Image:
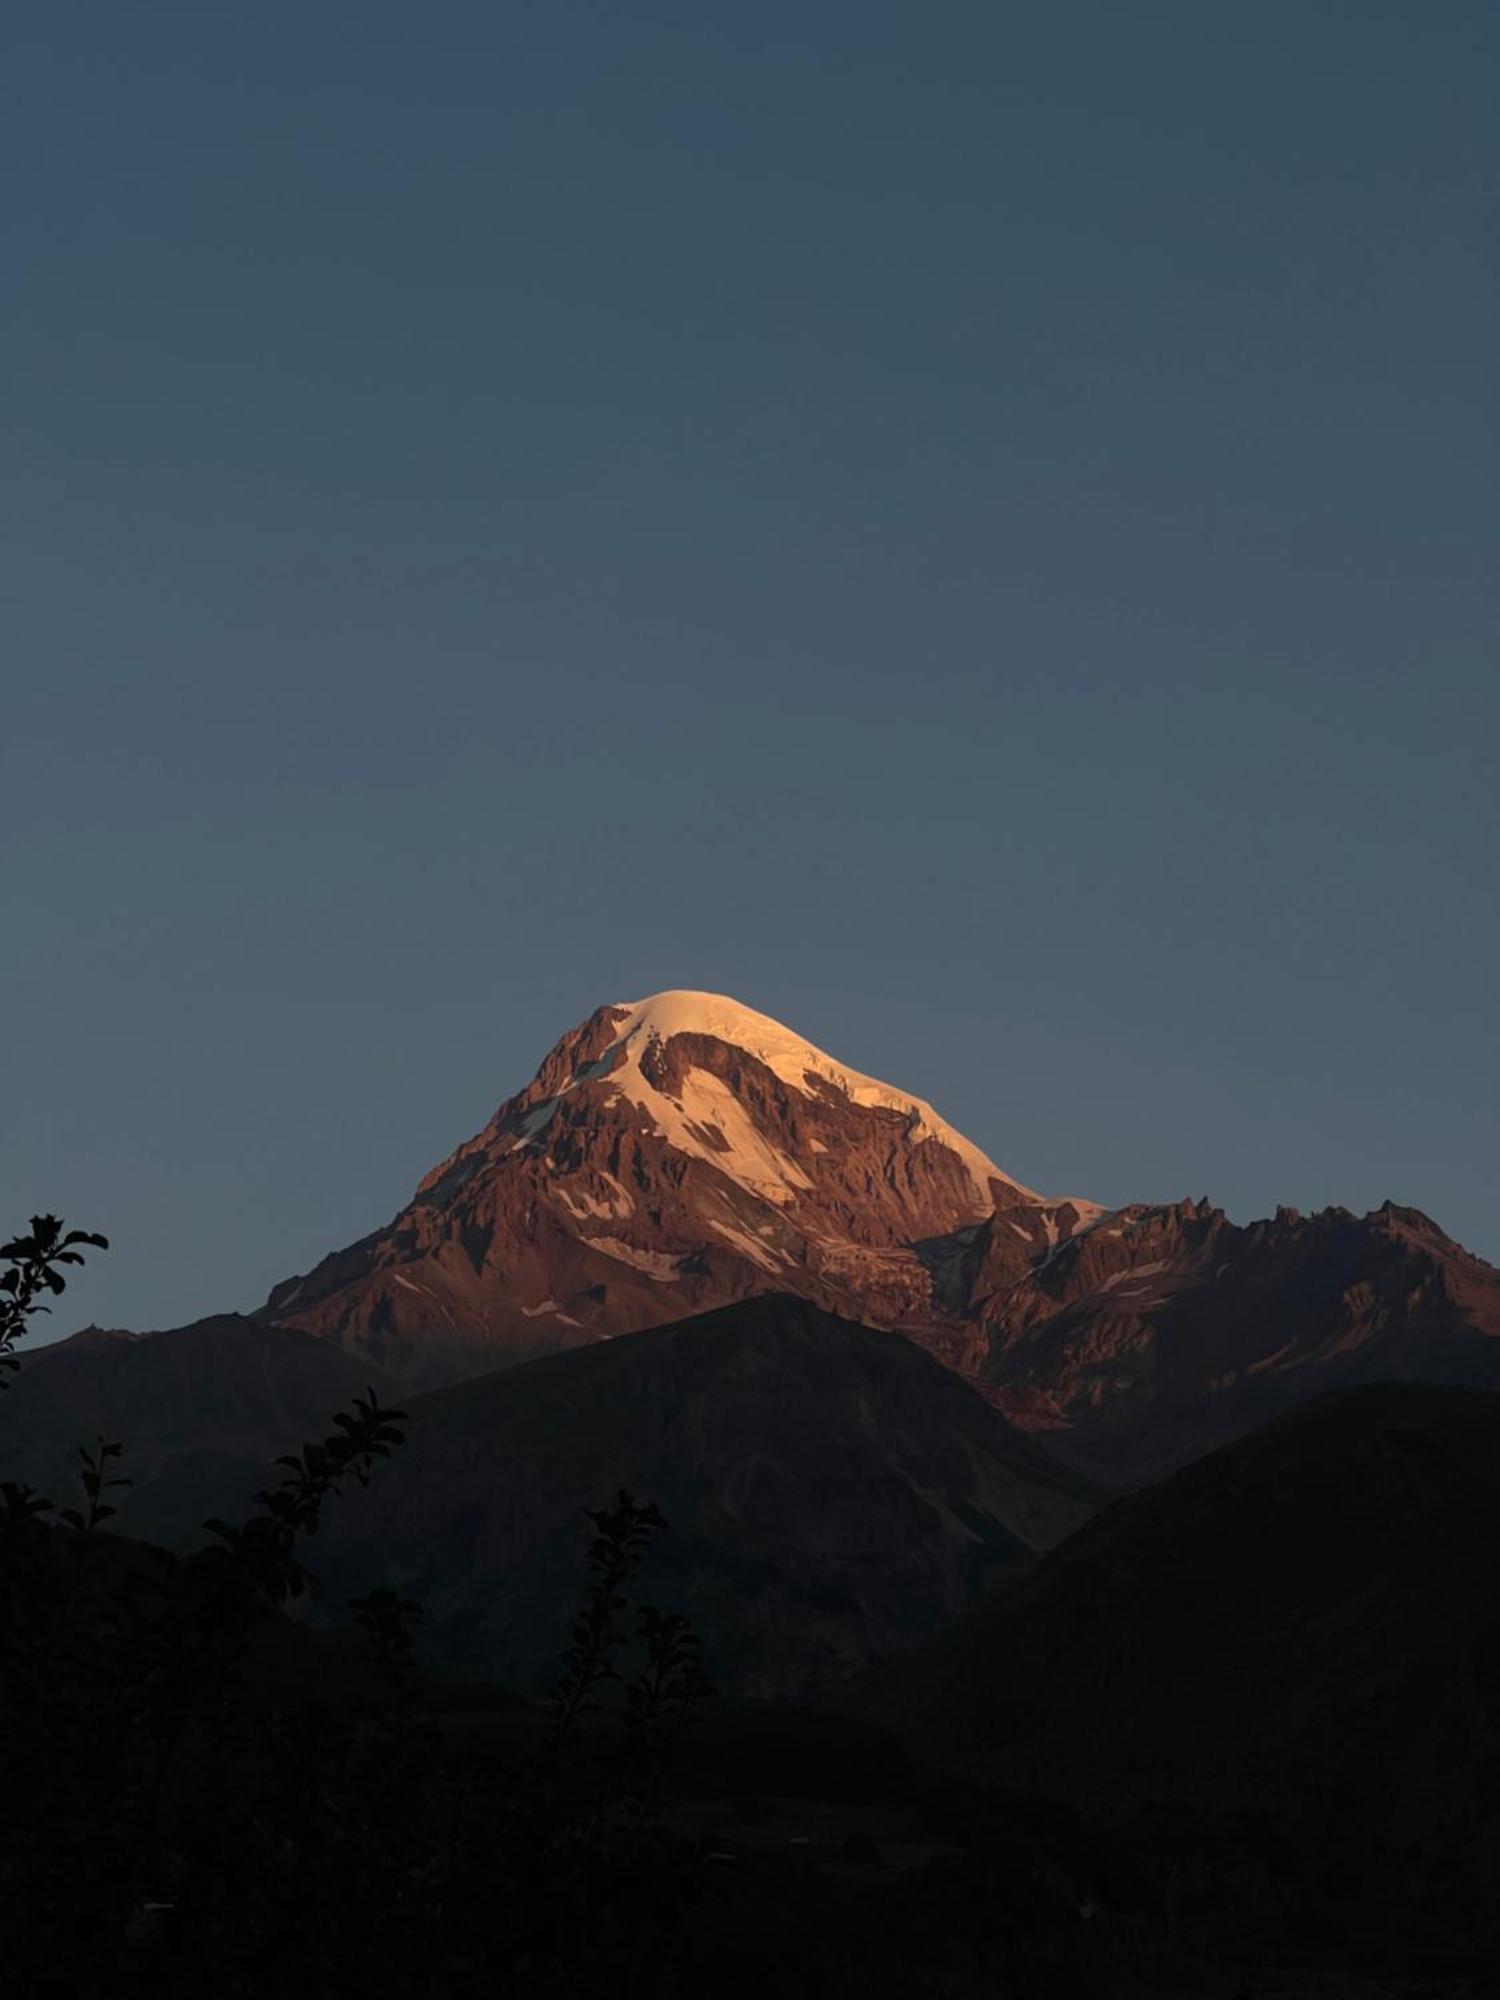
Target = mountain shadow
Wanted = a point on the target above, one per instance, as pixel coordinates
(834, 1495)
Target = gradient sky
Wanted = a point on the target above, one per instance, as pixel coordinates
(971, 528)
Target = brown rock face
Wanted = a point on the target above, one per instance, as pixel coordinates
(683, 1153)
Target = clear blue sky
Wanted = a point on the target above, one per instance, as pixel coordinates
(969, 527)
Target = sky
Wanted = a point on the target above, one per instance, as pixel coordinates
(969, 527)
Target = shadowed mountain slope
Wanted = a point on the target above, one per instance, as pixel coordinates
(832, 1494)
(202, 1411)
(1304, 1625)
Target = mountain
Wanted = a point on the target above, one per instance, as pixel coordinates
(1302, 1629)
(670, 1156)
(679, 1153)
(833, 1495)
(1161, 1331)
(203, 1411)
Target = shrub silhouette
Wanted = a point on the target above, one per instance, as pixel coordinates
(34, 1262)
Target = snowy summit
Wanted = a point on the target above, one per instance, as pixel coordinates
(682, 1011)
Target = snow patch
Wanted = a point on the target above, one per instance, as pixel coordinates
(1130, 1272)
(1089, 1212)
(655, 1263)
(703, 1101)
(423, 1291)
(579, 1201)
(747, 1245)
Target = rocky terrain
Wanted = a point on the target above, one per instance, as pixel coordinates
(1162, 1331)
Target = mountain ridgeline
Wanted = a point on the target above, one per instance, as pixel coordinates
(835, 1497)
(681, 1153)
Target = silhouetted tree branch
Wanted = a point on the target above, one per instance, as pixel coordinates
(33, 1269)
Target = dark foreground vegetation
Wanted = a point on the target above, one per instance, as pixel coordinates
(204, 1795)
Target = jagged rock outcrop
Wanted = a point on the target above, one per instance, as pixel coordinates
(1162, 1331)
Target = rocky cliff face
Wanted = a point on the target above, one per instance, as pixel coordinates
(1162, 1331)
(681, 1153)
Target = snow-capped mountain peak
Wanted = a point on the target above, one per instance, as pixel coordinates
(672, 1154)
